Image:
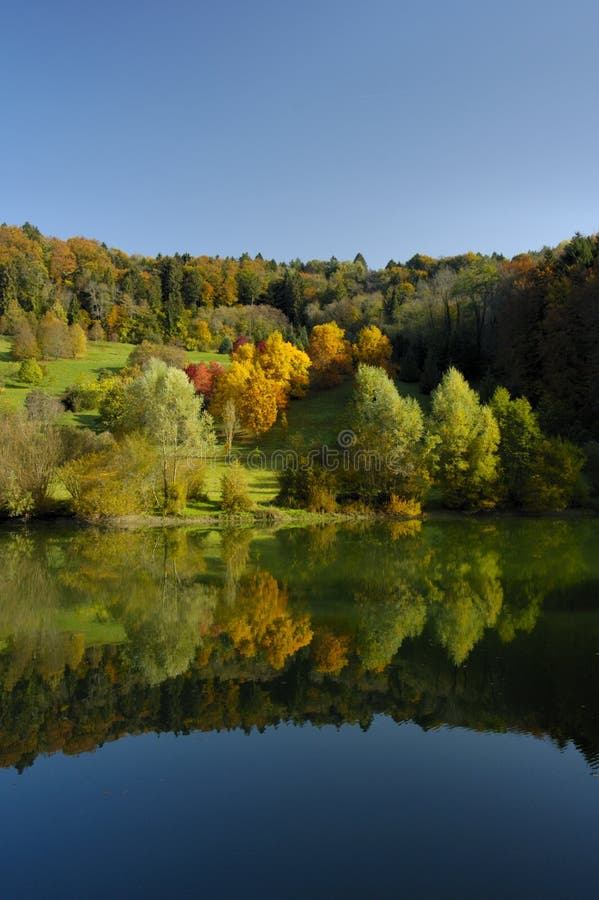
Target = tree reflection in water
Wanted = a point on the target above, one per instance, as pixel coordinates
(491, 625)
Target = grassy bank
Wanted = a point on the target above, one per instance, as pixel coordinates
(101, 356)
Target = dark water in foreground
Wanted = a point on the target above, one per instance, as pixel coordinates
(398, 711)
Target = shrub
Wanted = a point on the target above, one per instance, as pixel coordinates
(31, 453)
(235, 496)
(320, 498)
(176, 499)
(82, 396)
(30, 372)
(116, 481)
(43, 408)
(96, 332)
(402, 508)
(308, 486)
(196, 484)
(144, 352)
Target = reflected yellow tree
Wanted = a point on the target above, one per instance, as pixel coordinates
(330, 651)
(261, 621)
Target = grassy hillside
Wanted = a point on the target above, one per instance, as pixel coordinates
(316, 420)
(60, 373)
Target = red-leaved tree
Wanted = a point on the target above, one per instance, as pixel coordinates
(203, 376)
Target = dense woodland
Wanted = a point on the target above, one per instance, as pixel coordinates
(530, 323)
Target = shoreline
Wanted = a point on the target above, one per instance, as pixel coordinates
(281, 518)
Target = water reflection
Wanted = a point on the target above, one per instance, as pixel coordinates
(491, 626)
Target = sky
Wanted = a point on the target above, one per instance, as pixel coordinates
(302, 129)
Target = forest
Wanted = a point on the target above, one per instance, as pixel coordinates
(510, 343)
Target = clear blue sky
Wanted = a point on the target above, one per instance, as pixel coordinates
(302, 128)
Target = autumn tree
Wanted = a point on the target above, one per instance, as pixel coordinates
(330, 354)
(259, 403)
(53, 337)
(203, 377)
(284, 364)
(330, 651)
(113, 400)
(254, 396)
(78, 341)
(25, 345)
(373, 348)
(262, 623)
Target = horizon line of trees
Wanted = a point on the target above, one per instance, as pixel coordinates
(530, 323)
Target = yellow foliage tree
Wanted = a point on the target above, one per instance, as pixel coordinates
(255, 396)
(261, 621)
(258, 404)
(285, 364)
(204, 336)
(78, 341)
(331, 651)
(330, 354)
(373, 348)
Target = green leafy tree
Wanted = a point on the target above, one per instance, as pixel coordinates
(162, 404)
(30, 372)
(392, 453)
(553, 475)
(520, 436)
(468, 438)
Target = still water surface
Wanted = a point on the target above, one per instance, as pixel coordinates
(392, 711)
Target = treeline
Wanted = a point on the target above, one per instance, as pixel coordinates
(161, 438)
(530, 323)
(479, 456)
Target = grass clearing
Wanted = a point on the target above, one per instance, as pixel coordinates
(316, 420)
(60, 373)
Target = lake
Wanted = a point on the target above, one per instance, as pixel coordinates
(399, 710)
